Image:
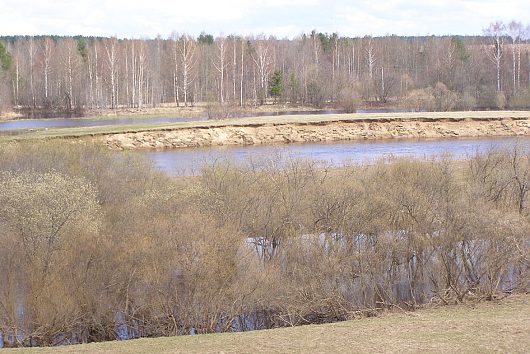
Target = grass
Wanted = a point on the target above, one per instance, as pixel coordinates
(485, 328)
(170, 110)
(258, 121)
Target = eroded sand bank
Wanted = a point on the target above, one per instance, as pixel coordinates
(265, 133)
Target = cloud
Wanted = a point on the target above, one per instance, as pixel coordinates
(126, 18)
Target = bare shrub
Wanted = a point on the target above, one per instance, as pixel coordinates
(420, 100)
(466, 101)
(45, 218)
(98, 246)
(520, 100)
(445, 99)
(217, 110)
(349, 99)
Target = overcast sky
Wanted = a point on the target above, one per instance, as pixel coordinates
(282, 18)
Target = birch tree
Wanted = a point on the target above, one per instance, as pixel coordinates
(141, 73)
(174, 40)
(262, 58)
(242, 72)
(94, 76)
(515, 30)
(16, 78)
(112, 66)
(495, 50)
(370, 58)
(220, 65)
(69, 60)
(186, 48)
(47, 48)
(234, 66)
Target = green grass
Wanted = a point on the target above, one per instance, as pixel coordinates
(486, 328)
(258, 121)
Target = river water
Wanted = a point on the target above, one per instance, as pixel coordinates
(188, 161)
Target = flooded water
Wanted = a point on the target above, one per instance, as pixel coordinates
(7, 126)
(188, 161)
(85, 122)
(385, 110)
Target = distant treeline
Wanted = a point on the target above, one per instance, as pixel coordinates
(98, 246)
(424, 72)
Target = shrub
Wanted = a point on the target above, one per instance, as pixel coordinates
(420, 100)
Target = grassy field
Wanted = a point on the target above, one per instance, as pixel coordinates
(485, 328)
(257, 121)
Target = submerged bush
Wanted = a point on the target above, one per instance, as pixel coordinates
(247, 247)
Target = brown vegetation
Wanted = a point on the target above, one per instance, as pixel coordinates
(497, 326)
(99, 246)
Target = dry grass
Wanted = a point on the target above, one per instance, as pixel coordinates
(486, 328)
(9, 116)
(197, 110)
(270, 120)
(170, 109)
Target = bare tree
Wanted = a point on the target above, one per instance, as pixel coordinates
(32, 50)
(370, 57)
(515, 30)
(47, 49)
(16, 78)
(220, 65)
(70, 62)
(242, 72)
(262, 58)
(315, 47)
(141, 73)
(94, 76)
(176, 54)
(187, 57)
(234, 66)
(495, 50)
(112, 66)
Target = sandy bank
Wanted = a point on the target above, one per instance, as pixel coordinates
(413, 126)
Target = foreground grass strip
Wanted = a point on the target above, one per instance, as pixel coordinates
(486, 328)
(260, 121)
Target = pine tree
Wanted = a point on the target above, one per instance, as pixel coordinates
(5, 58)
(276, 85)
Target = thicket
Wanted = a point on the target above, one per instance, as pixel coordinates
(98, 245)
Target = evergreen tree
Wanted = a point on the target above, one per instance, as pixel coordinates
(5, 58)
(276, 85)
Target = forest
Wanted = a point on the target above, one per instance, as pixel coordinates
(439, 73)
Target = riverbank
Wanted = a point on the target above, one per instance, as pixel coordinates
(486, 327)
(325, 128)
(293, 128)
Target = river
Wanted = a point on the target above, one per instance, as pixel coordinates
(188, 161)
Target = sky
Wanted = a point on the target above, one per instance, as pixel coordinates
(281, 18)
